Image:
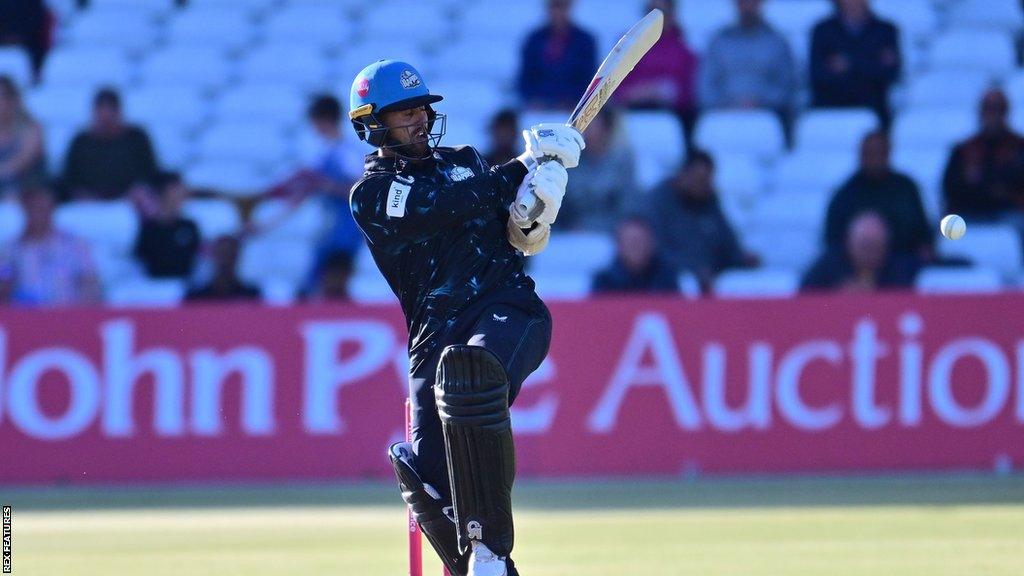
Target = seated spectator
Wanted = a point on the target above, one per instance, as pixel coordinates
(110, 157)
(666, 78)
(637, 266)
(689, 225)
(876, 186)
(47, 267)
(27, 23)
(557, 61)
(332, 284)
(984, 178)
(505, 139)
(864, 263)
(603, 187)
(21, 142)
(168, 242)
(749, 65)
(225, 285)
(855, 59)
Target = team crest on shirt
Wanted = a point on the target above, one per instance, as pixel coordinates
(409, 80)
(459, 173)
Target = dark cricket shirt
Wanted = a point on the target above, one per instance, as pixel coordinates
(436, 230)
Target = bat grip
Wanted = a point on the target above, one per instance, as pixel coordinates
(529, 207)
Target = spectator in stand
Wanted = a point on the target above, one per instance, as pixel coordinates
(864, 263)
(21, 142)
(27, 23)
(110, 157)
(876, 186)
(557, 61)
(855, 60)
(225, 285)
(46, 267)
(603, 187)
(749, 65)
(168, 242)
(666, 78)
(505, 139)
(984, 178)
(689, 225)
(332, 284)
(637, 266)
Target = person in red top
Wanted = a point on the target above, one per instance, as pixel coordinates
(665, 78)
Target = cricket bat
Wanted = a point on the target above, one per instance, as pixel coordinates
(620, 62)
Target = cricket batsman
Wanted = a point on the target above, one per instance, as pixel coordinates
(437, 223)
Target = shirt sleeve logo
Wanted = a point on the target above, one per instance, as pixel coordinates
(398, 194)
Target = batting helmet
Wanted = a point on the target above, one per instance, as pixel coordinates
(385, 86)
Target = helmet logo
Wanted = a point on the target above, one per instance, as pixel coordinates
(410, 80)
(364, 87)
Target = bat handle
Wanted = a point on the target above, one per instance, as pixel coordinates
(529, 207)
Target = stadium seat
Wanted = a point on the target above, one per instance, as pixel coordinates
(740, 181)
(943, 280)
(925, 166)
(358, 56)
(793, 210)
(146, 293)
(553, 285)
(12, 222)
(211, 26)
(931, 128)
(916, 19)
(151, 7)
(167, 105)
(289, 261)
(517, 20)
(61, 106)
(279, 219)
(112, 224)
(657, 142)
(948, 89)
(201, 66)
(688, 285)
(987, 51)
(244, 141)
(369, 287)
(607, 21)
(215, 217)
(702, 20)
(275, 104)
(764, 283)
(792, 248)
(813, 173)
(313, 25)
(1003, 15)
(58, 140)
(463, 61)
(829, 130)
(988, 245)
(298, 65)
(796, 21)
(233, 178)
(755, 132)
(16, 64)
(127, 29)
(574, 252)
(89, 67)
(431, 24)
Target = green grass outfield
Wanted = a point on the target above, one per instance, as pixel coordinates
(917, 526)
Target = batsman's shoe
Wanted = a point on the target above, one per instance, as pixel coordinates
(483, 562)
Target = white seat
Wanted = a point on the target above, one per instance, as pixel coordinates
(369, 287)
(127, 29)
(322, 25)
(12, 222)
(69, 106)
(214, 26)
(925, 166)
(796, 19)
(657, 142)
(263, 259)
(244, 141)
(554, 285)
(1004, 15)
(280, 219)
(462, 60)
(146, 293)
(688, 285)
(430, 23)
(215, 217)
(755, 132)
(182, 105)
(112, 224)
(233, 178)
(151, 7)
(57, 142)
(360, 55)
(988, 245)
(299, 65)
(702, 20)
(813, 173)
(765, 283)
(984, 50)
(16, 64)
(87, 67)
(740, 181)
(279, 104)
(834, 130)
(916, 19)
(948, 88)
(607, 21)
(200, 66)
(575, 252)
(528, 118)
(931, 128)
(788, 248)
(941, 280)
(516, 21)
(174, 148)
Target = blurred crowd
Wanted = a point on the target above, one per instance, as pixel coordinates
(876, 234)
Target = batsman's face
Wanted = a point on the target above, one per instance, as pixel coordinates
(408, 128)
